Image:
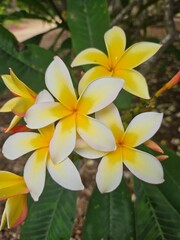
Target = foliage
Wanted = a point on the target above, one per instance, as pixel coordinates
(155, 211)
(53, 216)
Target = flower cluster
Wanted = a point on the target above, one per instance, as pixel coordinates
(59, 121)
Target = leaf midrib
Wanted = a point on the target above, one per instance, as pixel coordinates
(88, 24)
(154, 214)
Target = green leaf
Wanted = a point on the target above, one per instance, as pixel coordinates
(110, 215)
(28, 62)
(20, 15)
(52, 217)
(88, 20)
(123, 100)
(155, 217)
(171, 186)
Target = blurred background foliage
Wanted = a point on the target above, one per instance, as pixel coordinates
(135, 210)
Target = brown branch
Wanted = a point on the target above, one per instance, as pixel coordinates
(125, 11)
(167, 40)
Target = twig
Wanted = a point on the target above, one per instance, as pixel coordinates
(167, 40)
(125, 11)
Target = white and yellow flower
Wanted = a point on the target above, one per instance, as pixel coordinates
(118, 62)
(73, 113)
(24, 98)
(64, 173)
(14, 189)
(143, 165)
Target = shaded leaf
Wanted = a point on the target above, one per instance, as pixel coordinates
(21, 14)
(171, 187)
(88, 20)
(28, 62)
(155, 217)
(123, 100)
(110, 215)
(52, 217)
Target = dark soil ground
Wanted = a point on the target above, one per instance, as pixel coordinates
(168, 135)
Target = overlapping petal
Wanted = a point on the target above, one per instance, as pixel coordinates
(110, 172)
(9, 105)
(65, 174)
(95, 134)
(22, 86)
(15, 211)
(115, 40)
(21, 106)
(84, 150)
(134, 82)
(21, 143)
(11, 185)
(59, 83)
(14, 121)
(111, 118)
(137, 54)
(47, 132)
(99, 94)
(142, 128)
(15, 85)
(44, 96)
(35, 172)
(90, 56)
(120, 62)
(43, 114)
(143, 165)
(91, 75)
(64, 139)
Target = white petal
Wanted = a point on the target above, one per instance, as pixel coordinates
(35, 172)
(142, 128)
(63, 140)
(21, 143)
(65, 174)
(143, 165)
(109, 172)
(91, 75)
(44, 96)
(111, 118)
(95, 133)
(99, 94)
(59, 83)
(43, 114)
(84, 150)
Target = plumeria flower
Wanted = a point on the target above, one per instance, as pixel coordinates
(14, 189)
(143, 165)
(74, 113)
(118, 62)
(65, 173)
(24, 98)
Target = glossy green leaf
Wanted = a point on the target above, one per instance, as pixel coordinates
(171, 187)
(110, 215)
(157, 208)
(123, 100)
(29, 62)
(88, 20)
(52, 217)
(155, 217)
